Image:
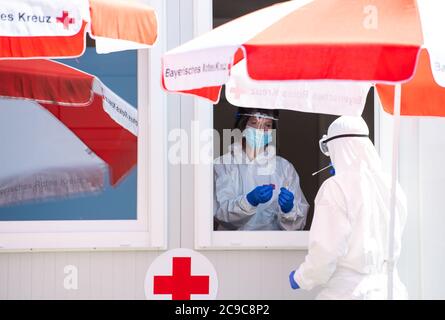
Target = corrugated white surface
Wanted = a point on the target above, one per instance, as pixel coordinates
(120, 275)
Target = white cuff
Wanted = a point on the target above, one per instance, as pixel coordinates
(290, 216)
(246, 206)
(299, 280)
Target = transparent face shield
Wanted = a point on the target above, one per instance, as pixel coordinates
(260, 123)
(259, 131)
(258, 115)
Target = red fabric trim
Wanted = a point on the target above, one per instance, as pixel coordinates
(421, 96)
(210, 93)
(345, 62)
(44, 80)
(44, 46)
(239, 55)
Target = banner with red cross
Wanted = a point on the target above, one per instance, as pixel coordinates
(43, 28)
(57, 29)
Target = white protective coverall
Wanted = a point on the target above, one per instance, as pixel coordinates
(348, 240)
(235, 175)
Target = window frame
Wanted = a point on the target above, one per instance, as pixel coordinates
(205, 236)
(149, 230)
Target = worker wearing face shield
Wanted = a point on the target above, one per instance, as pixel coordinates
(254, 188)
(348, 240)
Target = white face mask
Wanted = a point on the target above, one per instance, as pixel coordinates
(257, 138)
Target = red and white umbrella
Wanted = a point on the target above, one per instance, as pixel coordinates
(61, 130)
(57, 29)
(379, 41)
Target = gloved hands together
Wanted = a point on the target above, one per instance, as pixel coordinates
(260, 194)
(286, 200)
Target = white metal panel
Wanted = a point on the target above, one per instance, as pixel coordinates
(142, 261)
(101, 275)
(156, 116)
(82, 263)
(43, 275)
(173, 121)
(257, 274)
(19, 276)
(227, 267)
(4, 261)
(410, 259)
(421, 156)
(188, 206)
(432, 181)
(123, 274)
(251, 264)
(409, 264)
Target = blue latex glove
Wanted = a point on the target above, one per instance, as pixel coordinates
(286, 200)
(332, 170)
(294, 285)
(260, 194)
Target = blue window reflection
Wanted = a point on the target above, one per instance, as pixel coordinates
(118, 71)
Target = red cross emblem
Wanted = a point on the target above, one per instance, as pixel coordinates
(65, 19)
(181, 284)
(237, 91)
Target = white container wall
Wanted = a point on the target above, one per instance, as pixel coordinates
(421, 155)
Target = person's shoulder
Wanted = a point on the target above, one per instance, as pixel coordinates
(284, 161)
(226, 158)
(329, 187)
(329, 182)
(331, 195)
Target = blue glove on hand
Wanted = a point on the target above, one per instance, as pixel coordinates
(260, 194)
(286, 200)
(294, 285)
(332, 169)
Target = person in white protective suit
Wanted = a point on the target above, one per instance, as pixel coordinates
(348, 240)
(255, 189)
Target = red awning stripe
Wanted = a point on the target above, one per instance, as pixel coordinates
(43, 46)
(387, 63)
(45, 81)
(422, 96)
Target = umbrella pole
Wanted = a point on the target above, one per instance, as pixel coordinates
(395, 161)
